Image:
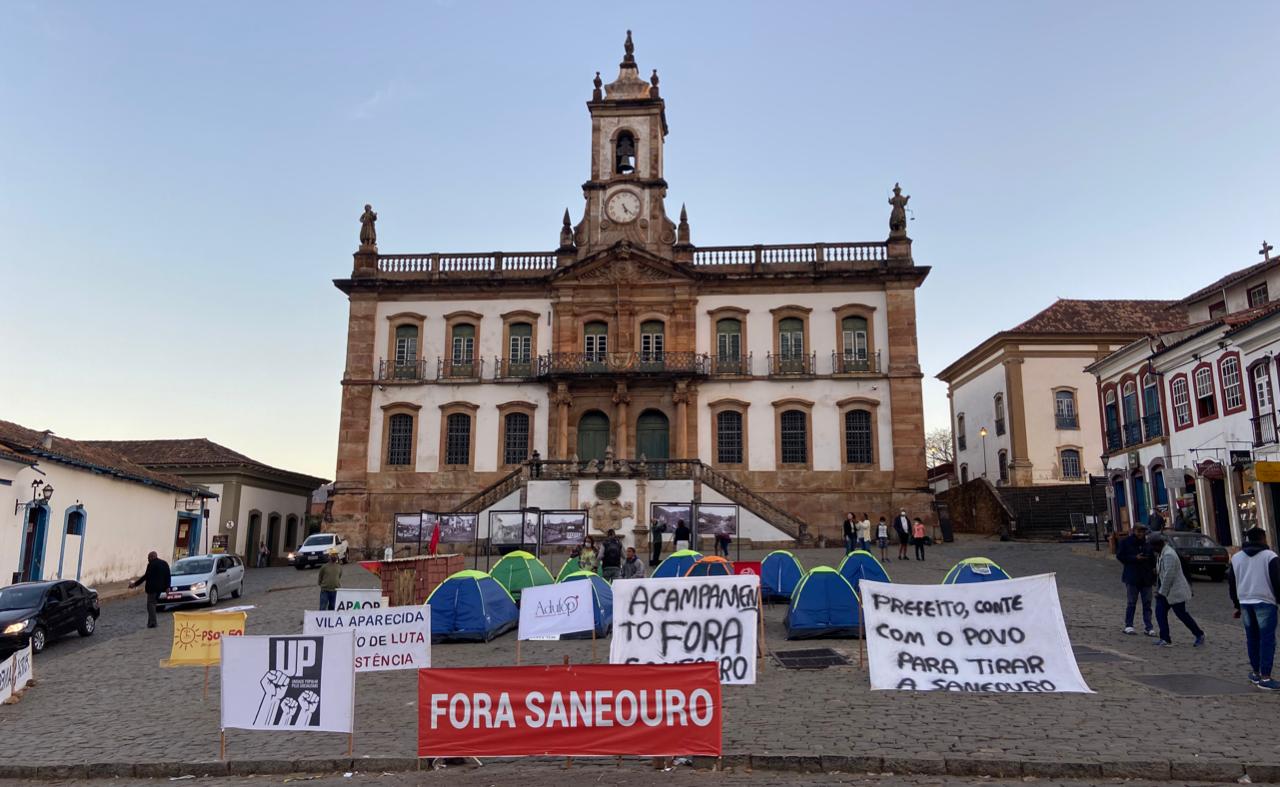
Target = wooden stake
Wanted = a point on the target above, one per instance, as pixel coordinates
(862, 639)
(517, 651)
(351, 743)
(222, 745)
(593, 642)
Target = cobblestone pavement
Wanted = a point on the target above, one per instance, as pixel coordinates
(105, 699)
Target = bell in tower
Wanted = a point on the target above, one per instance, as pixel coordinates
(625, 154)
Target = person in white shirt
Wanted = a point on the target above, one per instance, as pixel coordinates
(864, 532)
(1254, 578)
(882, 539)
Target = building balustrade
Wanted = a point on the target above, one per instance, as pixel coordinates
(1132, 434)
(1067, 420)
(855, 363)
(1114, 442)
(1152, 426)
(1264, 429)
(792, 364)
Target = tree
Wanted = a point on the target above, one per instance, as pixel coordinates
(938, 448)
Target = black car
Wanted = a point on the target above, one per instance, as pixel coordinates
(1199, 554)
(36, 612)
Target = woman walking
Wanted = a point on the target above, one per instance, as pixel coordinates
(1172, 592)
(918, 537)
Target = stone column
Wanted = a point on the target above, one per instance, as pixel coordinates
(1020, 466)
(351, 495)
(621, 398)
(905, 395)
(562, 399)
(681, 399)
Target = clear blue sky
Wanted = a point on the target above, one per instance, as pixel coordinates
(179, 182)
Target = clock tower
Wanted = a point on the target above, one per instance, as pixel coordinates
(626, 191)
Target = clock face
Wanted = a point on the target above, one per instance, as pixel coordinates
(623, 207)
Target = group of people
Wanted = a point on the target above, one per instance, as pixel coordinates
(609, 558)
(1151, 566)
(908, 532)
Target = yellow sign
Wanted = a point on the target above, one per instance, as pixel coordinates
(197, 637)
(1267, 472)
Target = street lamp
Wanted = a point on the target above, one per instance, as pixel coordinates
(983, 434)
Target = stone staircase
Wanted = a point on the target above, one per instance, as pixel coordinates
(1043, 513)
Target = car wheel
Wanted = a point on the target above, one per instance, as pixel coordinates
(87, 625)
(213, 596)
(236, 593)
(38, 639)
(344, 558)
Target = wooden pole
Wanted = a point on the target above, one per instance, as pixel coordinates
(351, 743)
(593, 642)
(517, 650)
(568, 761)
(222, 745)
(862, 639)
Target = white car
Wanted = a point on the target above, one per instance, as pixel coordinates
(315, 550)
(203, 579)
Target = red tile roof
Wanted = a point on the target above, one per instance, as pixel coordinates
(1106, 316)
(1231, 278)
(196, 452)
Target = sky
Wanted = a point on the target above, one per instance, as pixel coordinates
(180, 182)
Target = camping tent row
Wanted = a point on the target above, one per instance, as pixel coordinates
(472, 606)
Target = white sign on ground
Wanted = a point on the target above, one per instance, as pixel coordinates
(673, 621)
(1006, 636)
(386, 638)
(552, 610)
(296, 683)
(351, 598)
(15, 673)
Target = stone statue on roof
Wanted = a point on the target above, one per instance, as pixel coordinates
(898, 216)
(368, 235)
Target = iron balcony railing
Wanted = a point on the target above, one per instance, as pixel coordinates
(1152, 426)
(1067, 420)
(1264, 429)
(1114, 443)
(793, 365)
(1132, 434)
(739, 365)
(855, 363)
(515, 368)
(402, 371)
(460, 368)
(623, 363)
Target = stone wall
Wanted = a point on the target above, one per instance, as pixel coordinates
(975, 507)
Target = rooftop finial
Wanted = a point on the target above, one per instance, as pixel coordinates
(566, 217)
(684, 215)
(629, 59)
(653, 80)
(682, 229)
(1266, 251)
(566, 232)
(597, 94)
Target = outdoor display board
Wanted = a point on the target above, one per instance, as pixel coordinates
(457, 528)
(1004, 636)
(388, 638)
(671, 621)
(550, 610)
(564, 528)
(669, 514)
(15, 673)
(506, 528)
(409, 528)
(575, 711)
(716, 519)
(296, 683)
(197, 636)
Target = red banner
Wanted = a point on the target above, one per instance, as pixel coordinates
(748, 567)
(655, 710)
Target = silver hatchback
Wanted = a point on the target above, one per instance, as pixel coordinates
(204, 579)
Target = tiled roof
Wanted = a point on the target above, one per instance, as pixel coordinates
(14, 456)
(196, 452)
(30, 445)
(1106, 316)
(1231, 278)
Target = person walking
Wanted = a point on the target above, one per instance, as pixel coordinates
(882, 539)
(902, 526)
(849, 526)
(611, 557)
(588, 559)
(864, 532)
(264, 555)
(918, 537)
(1172, 592)
(330, 580)
(682, 535)
(155, 580)
(1134, 553)
(656, 529)
(1254, 577)
(723, 540)
(632, 568)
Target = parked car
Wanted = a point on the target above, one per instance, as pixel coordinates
(1200, 554)
(37, 612)
(203, 579)
(315, 550)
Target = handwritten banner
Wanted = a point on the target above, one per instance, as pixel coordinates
(197, 636)
(386, 638)
(688, 619)
(1002, 637)
(15, 673)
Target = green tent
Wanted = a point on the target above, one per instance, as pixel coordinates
(570, 567)
(519, 570)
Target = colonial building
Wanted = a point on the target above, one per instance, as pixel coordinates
(783, 377)
(256, 503)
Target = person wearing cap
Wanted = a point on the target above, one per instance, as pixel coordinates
(156, 581)
(1254, 578)
(330, 580)
(1134, 553)
(1172, 593)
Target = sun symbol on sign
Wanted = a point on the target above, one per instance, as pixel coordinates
(188, 635)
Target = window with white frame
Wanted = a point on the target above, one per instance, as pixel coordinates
(1070, 462)
(1262, 387)
(520, 350)
(1206, 404)
(651, 341)
(595, 341)
(1258, 295)
(1181, 402)
(1232, 389)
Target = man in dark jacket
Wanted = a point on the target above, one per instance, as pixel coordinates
(156, 581)
(611, 557)
(1138, 577)
(848, 529)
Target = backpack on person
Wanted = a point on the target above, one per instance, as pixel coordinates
(611, 553)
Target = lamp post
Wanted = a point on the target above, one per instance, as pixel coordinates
(983, 434)
(1106, 477)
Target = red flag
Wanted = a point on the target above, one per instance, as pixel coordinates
(435, 540)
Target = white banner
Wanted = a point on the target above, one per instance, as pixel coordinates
(673, 621)
(551, 610)
(387, 638)
(303, 684)
(15, 673)
(1006, 636)
(351, 598)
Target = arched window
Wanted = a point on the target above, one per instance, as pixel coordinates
(457, 447)
(651, 341)
(1158, 489)
(595, 341)
(961, 440)
(515, 441)
(853, 336)
(998, 407)
(1069, 460)
(1181, 401)
(291, 531)
(964, 474)
(406, 350)
(1232, 387)
(1002, 461)
(729, 437)
(1261, 379)
(1206, 403)
(1064, 410)
(400, 440)
(1152, 421)
(624, 154)
(1129, 407)
(858, 449)
(794, 433)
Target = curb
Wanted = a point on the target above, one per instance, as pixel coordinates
(1006, 768)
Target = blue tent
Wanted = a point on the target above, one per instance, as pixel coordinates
(780, 572)
(824, 604)
(859, 565)
(602, 596)
(471, 606)
(677, 564)
(974, 569)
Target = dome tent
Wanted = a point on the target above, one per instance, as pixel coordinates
(974, 569)
(518, 570)
(602, 603)
(471, 606)
(676, 564)
(859, 565)
(712, 566)
(570, 566)
(780, 572)
(824, 604)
